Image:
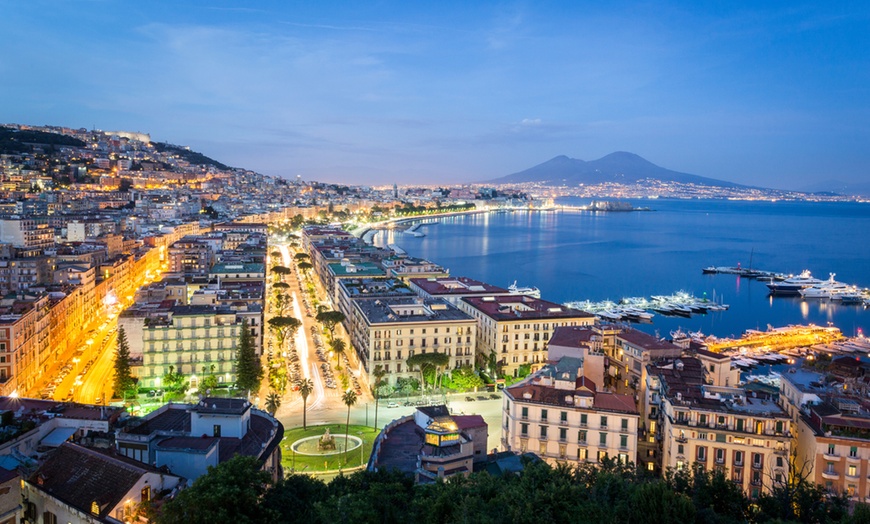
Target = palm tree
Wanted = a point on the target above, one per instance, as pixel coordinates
(338, 347)
(273, 402)
(349, 399)
(379, 373)
(305, 389)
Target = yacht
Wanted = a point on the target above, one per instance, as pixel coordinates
(793, 285)
(528, 291)
(828, 289)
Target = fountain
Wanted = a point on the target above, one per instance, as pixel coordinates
(326, 444)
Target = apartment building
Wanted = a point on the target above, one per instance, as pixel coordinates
(517, 328)
(387, 331)
(195, 340)
(559, 414)
(453, 289)
(350, 289)
(24, 342)
(741, 430)
(634, 350)
(29, 234)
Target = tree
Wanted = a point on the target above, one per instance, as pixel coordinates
(466, 378)
(330, 319)
(280, 272)
(174, 381)
(299, 257)
(249, 370)
(304, 266)
(273, 402)
(230, 492)
(275, 254)
(283, 326)
(209, 379)
(379, 373)
(123, 378)
(338, 346)
(424, 361)
(349, 399)
(305, 389)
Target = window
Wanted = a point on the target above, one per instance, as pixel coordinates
(720, 456)
(680, 449)
(582, 454)
(756, 460)
(216, 431)
(602, 439)
(738, 458)
(604, 422)
(583, 417)
(779, 462)
(779, 426)
(563, 416)
(702, 420)
(524, 430)
(49, 518)
(702, 453)
(624, 424)
(853, 451)
(581, 437)
(525, 412)
(543, 414)
(832, 449)
(146, 494)
(623, 441)
(853, 470)
(543, 432)
(563, 433)
(623, 458)
(602, 456)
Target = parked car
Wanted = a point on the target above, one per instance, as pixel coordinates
(393, 405)
(469, 399)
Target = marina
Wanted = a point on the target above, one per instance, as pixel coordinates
(638, 309)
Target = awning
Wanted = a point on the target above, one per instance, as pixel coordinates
(57, 437)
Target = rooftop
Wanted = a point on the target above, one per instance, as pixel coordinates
(408, 310)
(572, 336)
(645, 341)
(518, 307)
(456, 286)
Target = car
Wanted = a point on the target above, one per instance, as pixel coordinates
(481, 397)
(469, 399)
(392, 404)
(494, 396)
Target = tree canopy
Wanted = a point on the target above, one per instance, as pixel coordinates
(606, 493)
(330, 319)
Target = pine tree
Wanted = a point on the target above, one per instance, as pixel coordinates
(249, 371)
(123, 377)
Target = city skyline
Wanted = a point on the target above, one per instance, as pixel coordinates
(773, 96)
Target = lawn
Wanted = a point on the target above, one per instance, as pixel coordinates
(315, 464)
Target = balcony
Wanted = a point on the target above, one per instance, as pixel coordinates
(756, 465)
(831, 456)
(830, 474)
(681, 440)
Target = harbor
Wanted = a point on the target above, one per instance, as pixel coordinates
(641, 309)
(803, 285)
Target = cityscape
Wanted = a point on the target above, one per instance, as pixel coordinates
(164, 313)
(282, 262)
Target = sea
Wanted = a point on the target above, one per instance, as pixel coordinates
(582, 255)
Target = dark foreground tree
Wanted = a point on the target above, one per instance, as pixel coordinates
(231, 492)
(330, 319)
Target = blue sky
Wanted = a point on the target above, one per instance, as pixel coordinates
(764, 93)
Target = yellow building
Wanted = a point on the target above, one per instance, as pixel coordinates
(516, 328)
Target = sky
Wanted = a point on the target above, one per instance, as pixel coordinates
(775, 94)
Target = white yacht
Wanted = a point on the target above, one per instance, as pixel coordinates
(793, 285)
(528, 291)
(830, 289)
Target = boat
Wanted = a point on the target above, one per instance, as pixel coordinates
(794, 285)
(513, 289)
(827, 289)
(850, 298)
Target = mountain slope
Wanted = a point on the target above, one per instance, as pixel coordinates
(619, 167)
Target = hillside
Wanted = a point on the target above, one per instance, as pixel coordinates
(620, 167)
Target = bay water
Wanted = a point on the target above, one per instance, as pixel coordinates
(580, 255)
